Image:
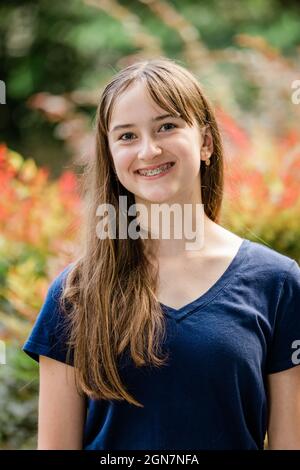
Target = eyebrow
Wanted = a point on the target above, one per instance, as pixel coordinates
(157, 118)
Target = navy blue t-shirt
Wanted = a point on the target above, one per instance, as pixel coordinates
(212, 392)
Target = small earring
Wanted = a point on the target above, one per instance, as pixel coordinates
(206, 154)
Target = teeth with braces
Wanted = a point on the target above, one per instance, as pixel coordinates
(156, 171)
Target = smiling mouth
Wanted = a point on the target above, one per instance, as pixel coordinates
(155, 171)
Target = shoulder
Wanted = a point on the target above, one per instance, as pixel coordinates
(56, 285)
(50, 313)
(268, 263)
(258, 259)
(49, 334)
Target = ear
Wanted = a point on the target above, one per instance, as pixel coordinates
(207, 146)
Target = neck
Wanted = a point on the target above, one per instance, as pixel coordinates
(182, 229)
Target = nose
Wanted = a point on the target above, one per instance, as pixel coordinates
(148, 149)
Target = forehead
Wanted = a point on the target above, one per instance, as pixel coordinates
(134, 104)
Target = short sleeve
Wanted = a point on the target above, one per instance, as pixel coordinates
(48, 336)
(284, 351)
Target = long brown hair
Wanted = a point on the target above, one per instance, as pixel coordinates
(112, 286)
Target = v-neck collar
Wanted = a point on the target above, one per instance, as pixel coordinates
(213, 291)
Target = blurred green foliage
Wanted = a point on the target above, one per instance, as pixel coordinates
(18, 400)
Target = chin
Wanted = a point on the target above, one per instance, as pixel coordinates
(156, 198)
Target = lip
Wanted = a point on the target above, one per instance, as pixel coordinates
(160, 175)
(152, 167)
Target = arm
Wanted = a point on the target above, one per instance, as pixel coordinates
(284, 410)
(61, 408)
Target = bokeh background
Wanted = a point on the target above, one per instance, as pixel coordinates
(55, 58)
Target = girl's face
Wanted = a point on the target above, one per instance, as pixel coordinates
(140, 136)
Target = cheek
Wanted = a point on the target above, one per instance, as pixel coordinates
(188, 152)
(123, 158)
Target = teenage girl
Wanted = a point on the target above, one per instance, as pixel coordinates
(141, 342)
